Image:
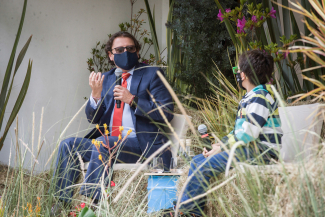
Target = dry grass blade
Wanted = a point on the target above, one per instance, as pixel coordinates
(139, 170)
(65, 129)
(210, 191)
(179, 104)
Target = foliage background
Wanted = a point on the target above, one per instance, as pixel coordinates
(202, 39)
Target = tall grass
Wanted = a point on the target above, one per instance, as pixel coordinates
(280, 190)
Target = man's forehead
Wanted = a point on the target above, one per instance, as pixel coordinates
(122, 41)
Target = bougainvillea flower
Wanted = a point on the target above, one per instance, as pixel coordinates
(241, 24)
(220, 15)
(254, 19)
(228, 10)
(82, 205)
(112, 184)
(272, 13)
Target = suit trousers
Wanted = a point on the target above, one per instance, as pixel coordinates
(67, 168)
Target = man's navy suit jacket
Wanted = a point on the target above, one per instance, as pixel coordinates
(146, 117)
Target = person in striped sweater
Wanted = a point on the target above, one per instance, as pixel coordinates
(257, 124)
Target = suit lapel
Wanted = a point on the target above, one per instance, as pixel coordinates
(136, 78)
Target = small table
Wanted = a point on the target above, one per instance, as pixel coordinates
(161, 190)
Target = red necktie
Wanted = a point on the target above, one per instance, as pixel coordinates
(118, 112)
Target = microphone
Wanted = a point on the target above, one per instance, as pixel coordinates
(118, 73)
(203, 130)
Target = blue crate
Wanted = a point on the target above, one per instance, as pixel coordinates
(162, 192)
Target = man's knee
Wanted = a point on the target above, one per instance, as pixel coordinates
(67, 144)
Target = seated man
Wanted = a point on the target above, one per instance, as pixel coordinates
(137, 112)
(257, 125)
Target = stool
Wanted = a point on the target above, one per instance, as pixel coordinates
(161, 190)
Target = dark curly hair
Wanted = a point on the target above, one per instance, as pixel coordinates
(109, 44)
(257, 65)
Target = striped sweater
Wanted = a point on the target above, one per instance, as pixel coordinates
(257, 119)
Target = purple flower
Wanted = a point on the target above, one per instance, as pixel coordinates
(272, 13)
(220, 15)
(254, 19)
(285, 54)
(240, 31)
(228, 10)
(241, 24)
(261, 18)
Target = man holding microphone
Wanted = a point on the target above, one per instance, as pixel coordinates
(128, 105)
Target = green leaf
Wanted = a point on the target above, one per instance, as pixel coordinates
(19, 102)
(18, 62)
(86, 212)
(153, 31)
(295, 30)
(169, 37)
(286, 19)
(11, 61)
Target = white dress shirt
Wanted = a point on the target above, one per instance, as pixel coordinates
(127, 121)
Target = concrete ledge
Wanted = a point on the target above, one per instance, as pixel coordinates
(121, 166)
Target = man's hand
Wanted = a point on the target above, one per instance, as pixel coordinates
(96, 84)
(123, 94)
(216, 149)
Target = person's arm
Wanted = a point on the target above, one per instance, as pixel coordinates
(255, 116)
(147, 108)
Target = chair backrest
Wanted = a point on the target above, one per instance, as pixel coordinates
(180, 127)
(301, 129)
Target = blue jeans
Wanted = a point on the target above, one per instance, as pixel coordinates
(67, 169)
(212, 167)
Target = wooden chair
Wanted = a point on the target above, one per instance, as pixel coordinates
(180, 127)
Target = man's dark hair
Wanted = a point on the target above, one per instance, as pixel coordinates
(257, 65)
(109, 44)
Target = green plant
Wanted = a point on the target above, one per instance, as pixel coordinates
(194, 41)
(5, 92)
(99, 61)
(270, 38)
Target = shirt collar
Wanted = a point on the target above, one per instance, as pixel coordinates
(131, 71)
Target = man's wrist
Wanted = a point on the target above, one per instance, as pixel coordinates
(96, 95)
(134, 102)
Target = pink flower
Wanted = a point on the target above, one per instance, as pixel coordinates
(272, 13)
(240, 31)
(261, 18)
(254, 19)
(241, 24)
(73, 214)
(285, 54)
(112, 184)
(82, 205)
(228, 10)
(220, 15)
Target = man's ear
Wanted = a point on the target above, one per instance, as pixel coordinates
(110, 55)
(242, 75)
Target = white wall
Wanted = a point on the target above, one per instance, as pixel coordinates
(64, 31)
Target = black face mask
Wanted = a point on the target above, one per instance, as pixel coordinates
(126, 60)
(240, 82)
